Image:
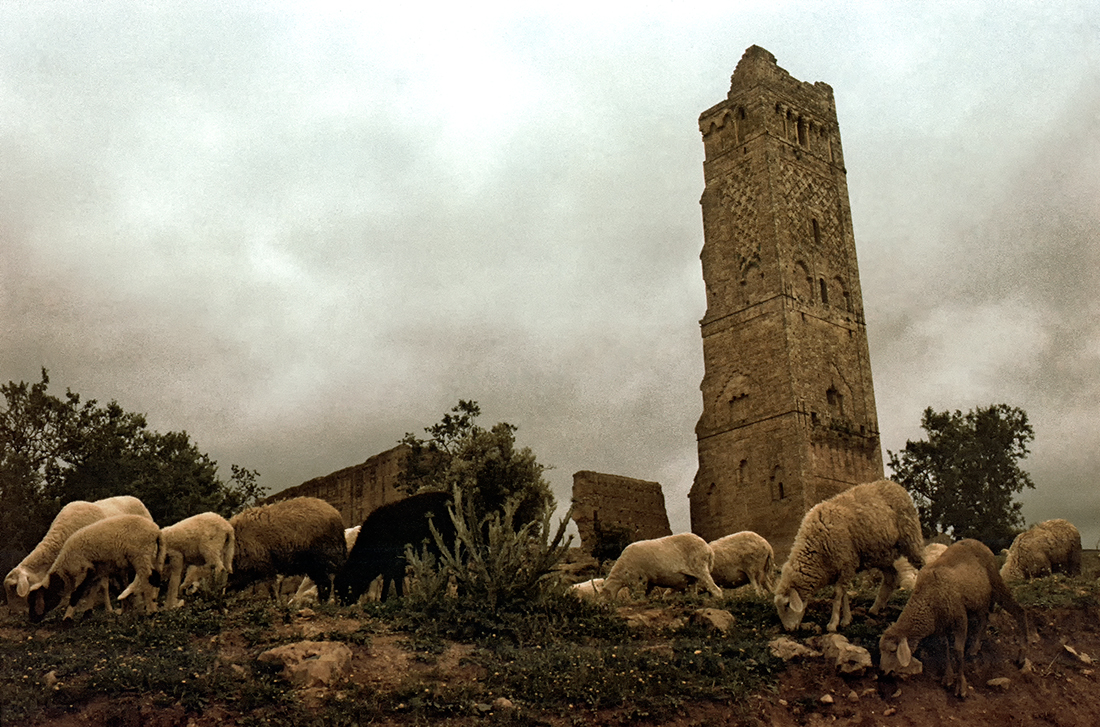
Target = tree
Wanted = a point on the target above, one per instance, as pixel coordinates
(505, 552)
(483, 463)
(54, 451)
(964, 476)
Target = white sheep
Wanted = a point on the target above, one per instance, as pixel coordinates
(952, 598)
(299, 536)
(205, 540)
(71, 518)
(674, 561)
(866, 526)
(740, 558)
(907, 574)
(587, 589)
(114, 546)
(1053, 546)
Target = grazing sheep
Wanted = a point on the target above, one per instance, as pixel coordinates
(206, 539)
(380, 547)
(907, 574)
(114, 546)
(952, 598)
(1053, 546)
(299, 536)
(307, 589)
(587, 589)
(866, 526)
(674, 561)
(72, 517)
(741, 558)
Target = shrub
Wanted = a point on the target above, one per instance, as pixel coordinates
(491, 561)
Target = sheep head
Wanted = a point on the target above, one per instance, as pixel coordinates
(791, 609)
(45, 596)
(896, 656)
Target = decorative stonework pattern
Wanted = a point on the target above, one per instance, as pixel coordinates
(788, 404)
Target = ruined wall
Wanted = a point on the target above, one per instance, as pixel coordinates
(358, 490)
(616, 500)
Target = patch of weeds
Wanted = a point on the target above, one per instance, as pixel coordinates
(657, 681)
(1057, 591)
(554, 616)
(108, 655)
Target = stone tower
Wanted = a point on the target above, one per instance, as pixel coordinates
(788, 406)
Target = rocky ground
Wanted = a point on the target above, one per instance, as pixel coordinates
(1060, 688)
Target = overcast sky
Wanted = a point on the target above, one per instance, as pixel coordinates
(300, 231)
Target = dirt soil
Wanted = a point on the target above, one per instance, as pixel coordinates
(1061, 687)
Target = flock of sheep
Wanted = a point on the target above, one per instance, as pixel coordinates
(94, 547)
(873, 526)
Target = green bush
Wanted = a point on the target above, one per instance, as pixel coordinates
(492, 561)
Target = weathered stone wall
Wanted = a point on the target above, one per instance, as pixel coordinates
(788, 402)
(616, 500)
(358, 490)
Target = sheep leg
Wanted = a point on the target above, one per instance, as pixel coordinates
(976, 626)
(214, 562)
(710, 585)
(889, 585)
(175, 570)
(842, 612)
(957, 653)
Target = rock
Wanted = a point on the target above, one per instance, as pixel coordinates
(502, 704)
(847, 657)
(786, 648)
(714, 619)
(889, 711)
(1080, 656)
(827, 699)
(50, 680)
(999, 683)
(852, 696)
(311, 663)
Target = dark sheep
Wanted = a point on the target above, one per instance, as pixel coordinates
(380, 549)
(299, 536)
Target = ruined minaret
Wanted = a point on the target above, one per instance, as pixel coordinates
(788, 405)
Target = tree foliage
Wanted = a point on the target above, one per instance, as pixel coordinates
(55, 450)
(484, 464)
(965, 475)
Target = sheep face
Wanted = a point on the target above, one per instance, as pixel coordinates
(895, 656)
(45, 597)
(791, 609)
(17, 585)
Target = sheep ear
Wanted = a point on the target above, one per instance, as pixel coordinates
(796, 602)
(904, 655)
(24, 585)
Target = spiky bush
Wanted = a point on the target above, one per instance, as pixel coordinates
(492, 561)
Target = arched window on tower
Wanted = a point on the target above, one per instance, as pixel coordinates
(803, 139)
(803, 282)
(817, 232)
(778, 488)
(824, 291)
(846, 300)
